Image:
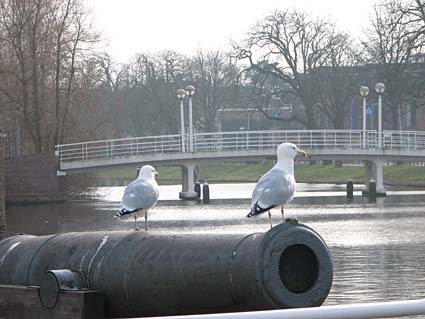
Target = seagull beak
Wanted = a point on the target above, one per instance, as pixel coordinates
(156, 174)
(302, 153)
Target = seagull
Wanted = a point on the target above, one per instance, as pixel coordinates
(140, 195)
(277, 186)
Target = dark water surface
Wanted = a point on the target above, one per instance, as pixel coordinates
(378, 248)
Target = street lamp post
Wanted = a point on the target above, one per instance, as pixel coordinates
(364, 91)
(380, 88)
(181, 94)
(190, 91)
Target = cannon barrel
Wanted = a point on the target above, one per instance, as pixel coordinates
(151, 273)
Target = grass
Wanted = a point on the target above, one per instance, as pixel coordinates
(328, 173)
(237, 172)
(130, 173)
(403, 174)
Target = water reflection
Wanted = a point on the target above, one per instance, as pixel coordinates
(229, 191)
(377, 273)
(378, 248)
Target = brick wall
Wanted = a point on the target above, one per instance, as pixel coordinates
(32, 175)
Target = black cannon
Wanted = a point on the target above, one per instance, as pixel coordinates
(150, 274)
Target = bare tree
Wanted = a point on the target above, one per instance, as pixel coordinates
(263, 93)
(42, 42)
(97, 91)
(391, 46)
(151, 88)
(21, 30)
(336, 82)
(73, 42)
(214, 75)
(414, 11)
(289, 45)
(413, 14)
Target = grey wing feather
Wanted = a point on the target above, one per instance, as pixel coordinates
(273, 188)
(140, 194)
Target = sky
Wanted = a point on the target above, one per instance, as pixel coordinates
(149, 26)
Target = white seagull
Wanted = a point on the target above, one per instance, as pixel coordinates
(140, 195)
(277, 186)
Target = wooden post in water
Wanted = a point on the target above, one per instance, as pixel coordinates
(350, 189)
(2, 195)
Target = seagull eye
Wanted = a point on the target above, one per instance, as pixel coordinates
(293, 147)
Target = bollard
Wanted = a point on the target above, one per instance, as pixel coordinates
(157, 274)
(350, 189)
(372, 190)
(197, 189)
(205, 193)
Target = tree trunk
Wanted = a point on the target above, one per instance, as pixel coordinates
(310, 118)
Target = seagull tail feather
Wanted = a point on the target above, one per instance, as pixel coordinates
(257, 209)
(123, 212)
(250, 214)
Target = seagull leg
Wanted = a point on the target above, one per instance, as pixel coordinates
(281, 210)
(146, 220)
(270, 219)
(135, 221)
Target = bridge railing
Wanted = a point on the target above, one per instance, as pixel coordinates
(409, 140)
(123, 147)
(240, 140)
(257, 140)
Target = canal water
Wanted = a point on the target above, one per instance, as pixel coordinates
(378, 248)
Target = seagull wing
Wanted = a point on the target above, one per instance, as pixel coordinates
(140, 194)
(273, 189)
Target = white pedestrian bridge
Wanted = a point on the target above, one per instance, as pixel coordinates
(187, 151)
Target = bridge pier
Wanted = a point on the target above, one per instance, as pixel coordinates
(379, 177)
(188, 181)
(375, 169)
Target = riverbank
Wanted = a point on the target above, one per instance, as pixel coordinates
(397, 175)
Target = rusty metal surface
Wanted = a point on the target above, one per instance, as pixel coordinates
(144, 273)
